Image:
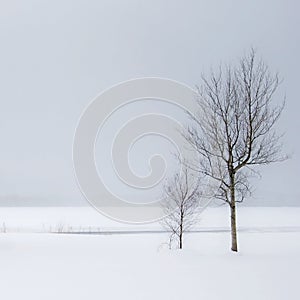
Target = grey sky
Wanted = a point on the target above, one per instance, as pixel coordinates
(56, 56)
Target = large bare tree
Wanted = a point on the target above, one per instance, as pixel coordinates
(181, 205)
(234, 130)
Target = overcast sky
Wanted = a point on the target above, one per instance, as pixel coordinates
(56, 56)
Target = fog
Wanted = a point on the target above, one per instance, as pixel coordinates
(56, 56)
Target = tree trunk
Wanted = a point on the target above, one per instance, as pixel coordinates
(233, 228)
(180, 237)
(233, 214)
(180, 242)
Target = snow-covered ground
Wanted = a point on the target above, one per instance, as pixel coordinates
(85, 219)
(139, 266)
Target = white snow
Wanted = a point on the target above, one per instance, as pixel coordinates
(45, 219)
(37, 266)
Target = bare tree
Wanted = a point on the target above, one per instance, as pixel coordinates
(181, 205)
(234, 129)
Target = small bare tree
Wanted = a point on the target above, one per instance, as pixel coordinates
(181, 205)
(234, 130)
